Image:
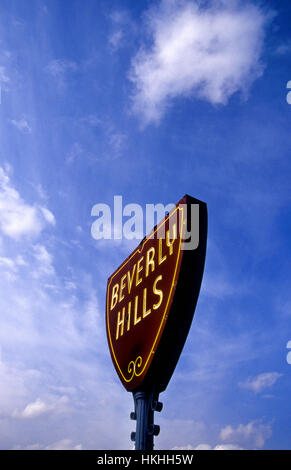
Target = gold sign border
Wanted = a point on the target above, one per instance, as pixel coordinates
(139, 250)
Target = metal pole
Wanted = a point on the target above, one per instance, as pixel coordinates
(145, 403)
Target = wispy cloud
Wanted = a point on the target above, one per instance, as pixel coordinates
(117, 142)
(122, 27)
(206, 53)
(4, 78)
(63, 444)
(40, 407)
(58, 67)
(75, 151)
(60, 70)
(283, 48)
(52, 332)
(251, 435)
(22, 125)
(209, 447)
(227, 447)
(19, 218)
(7, 263)
(44, 261)
(115, 139)
(115, 39)
(48, 215)
(218, 288)
(261, 382)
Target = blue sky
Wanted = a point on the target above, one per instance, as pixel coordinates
(149, 100)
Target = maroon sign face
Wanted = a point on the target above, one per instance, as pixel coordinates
(141, 295)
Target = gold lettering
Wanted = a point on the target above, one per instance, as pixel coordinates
(161, 258)
(138, 270)
(114, 296)
(122, 286)
(170, 243)
(150, 260)
(136, 318)
(145, 312)
(157, 292)
(120, 323)
(128, 316)
(130, 280)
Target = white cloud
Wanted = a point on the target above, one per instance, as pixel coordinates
(40, 191)
(284, 48)
(199, 447)
(261, 381)
(227, 447)
(76, 151)
(60, 70)
(123, 27)
(7, 263)
(17, 218)
(22, 125)
(60, 334)
(217, 287)
(115, 139)
(92, 120)
(40, 407)
(63, 444)
(3, 75)
(189, 447)
(115, 39)
(252, 435)
(207, 53)
(70, 285)
(58, 67)
(208, 447)
(48, 215)
(20, 261)
(33, 410)
(44, 261)
(175, 432)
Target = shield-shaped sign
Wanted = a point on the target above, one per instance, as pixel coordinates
(152, 296)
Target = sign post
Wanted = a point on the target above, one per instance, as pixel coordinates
(150, 303)
(145, 404)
